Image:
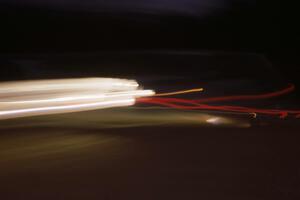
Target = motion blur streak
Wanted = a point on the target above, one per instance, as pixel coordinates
(179, 92)
(30, 98)
(64, 109)
(188, 104)
(101, 84)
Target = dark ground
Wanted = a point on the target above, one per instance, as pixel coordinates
(150, 163)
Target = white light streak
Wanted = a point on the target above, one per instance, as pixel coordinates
(101, 84)
(29, 98)
(64, 109)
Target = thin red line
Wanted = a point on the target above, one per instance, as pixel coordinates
(239, 109)
(284, 91)
(195, 104)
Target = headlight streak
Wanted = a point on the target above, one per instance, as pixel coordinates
(82, 97)
(66, 85)
(42, 97)
(31, 98)
(65, 109)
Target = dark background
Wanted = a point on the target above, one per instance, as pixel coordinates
(262, 27)
(91, 26)
(56, 26)
(239, 25)
(39, 160)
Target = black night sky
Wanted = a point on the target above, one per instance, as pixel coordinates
(33, 26)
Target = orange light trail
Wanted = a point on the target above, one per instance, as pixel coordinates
(179, 92)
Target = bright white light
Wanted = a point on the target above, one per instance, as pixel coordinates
(101, 84)
(64, 109)
(214, 120)
(84, 96)
(28, 98)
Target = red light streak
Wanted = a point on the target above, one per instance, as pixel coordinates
(198, 104)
